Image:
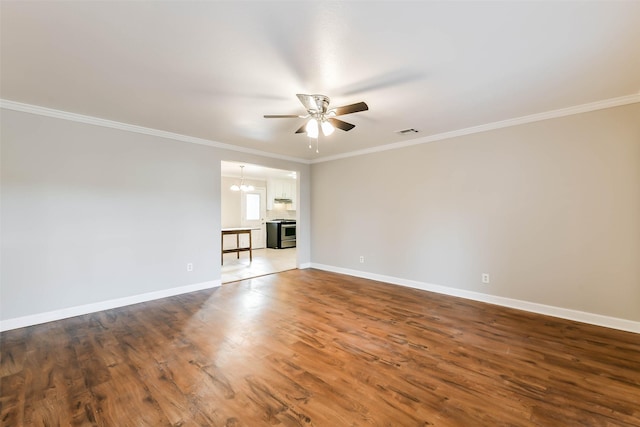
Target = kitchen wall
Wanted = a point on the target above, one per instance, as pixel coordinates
(231, 209)
(551, 210)
(92, 216)
(231, 200)
(280, 214)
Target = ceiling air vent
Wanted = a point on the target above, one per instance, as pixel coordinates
(407, 131)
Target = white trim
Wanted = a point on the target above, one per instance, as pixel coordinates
(577, 109)
(64, 115)
(548, 310)
(304, 266)
(50, 316)
(584, 108)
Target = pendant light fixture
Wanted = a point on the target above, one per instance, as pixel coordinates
(242, 186)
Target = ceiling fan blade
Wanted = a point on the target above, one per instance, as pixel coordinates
(352, 108)
(302, 129)
(340, 124)
(281, 116)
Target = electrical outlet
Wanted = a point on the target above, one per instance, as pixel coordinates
(190, 267)
(361, 259)
(485, 277)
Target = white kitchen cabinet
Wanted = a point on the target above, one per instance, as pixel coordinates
(282, 189)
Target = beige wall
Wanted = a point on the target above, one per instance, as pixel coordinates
(550, 209)
(92, 214)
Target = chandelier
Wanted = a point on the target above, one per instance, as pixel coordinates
(242, 186)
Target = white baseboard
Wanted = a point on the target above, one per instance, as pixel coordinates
(563, 313)
(50, 316)
(305, 265)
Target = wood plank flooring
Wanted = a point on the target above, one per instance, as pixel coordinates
(311, 348)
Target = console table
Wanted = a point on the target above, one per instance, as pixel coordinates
(237, 231)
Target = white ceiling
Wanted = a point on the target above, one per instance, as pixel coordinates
(212, 69)
(232, 169)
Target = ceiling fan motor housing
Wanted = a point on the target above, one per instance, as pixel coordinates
(322, 103)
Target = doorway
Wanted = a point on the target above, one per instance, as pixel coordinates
(259, 202)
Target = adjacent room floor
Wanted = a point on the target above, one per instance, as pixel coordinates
(265, 261)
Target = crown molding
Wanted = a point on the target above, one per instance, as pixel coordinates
(562, 112)
(64, 115)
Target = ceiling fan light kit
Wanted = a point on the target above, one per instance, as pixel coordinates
(327, 128)
(312, 128)
(321, 117)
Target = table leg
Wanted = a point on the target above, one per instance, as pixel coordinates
(221, 249)
(238, 245)
(250, 247)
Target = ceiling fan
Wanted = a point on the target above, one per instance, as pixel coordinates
(321, 116)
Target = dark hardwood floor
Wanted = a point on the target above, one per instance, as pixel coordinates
(310, 348)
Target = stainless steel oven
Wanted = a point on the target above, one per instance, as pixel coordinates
(288, 235)
(281, 233)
